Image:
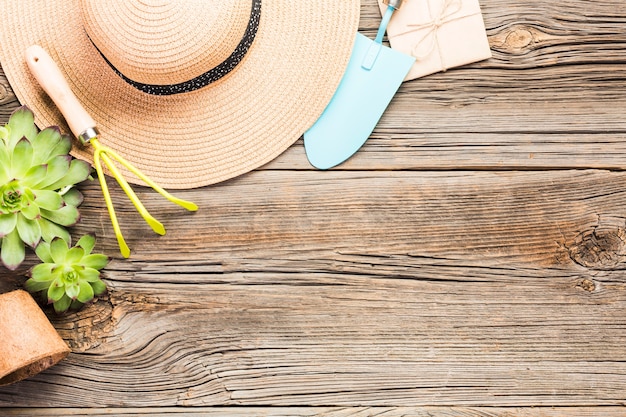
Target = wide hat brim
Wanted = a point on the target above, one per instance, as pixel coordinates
(202, 137)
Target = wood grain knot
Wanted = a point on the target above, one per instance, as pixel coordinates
(519, 38)
(599, 248)
(587, 285)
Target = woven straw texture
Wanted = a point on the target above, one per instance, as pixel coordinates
(198, 138)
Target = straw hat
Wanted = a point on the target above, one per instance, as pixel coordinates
(192, 92)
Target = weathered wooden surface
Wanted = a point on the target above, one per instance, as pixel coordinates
(468, 261)
(326, 412)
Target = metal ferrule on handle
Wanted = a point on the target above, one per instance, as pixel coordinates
(393, 3)
(87, 135)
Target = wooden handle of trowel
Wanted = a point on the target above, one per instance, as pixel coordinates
(49, 76)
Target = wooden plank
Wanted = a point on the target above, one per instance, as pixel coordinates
(424, 151)
(517, 216)
(381, 288)
(325, 412)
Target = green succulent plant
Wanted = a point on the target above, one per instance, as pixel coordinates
(69, 277)
(37, 175)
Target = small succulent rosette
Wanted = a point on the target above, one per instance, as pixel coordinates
(68, 277)
(37, 177)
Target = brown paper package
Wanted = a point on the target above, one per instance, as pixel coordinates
(439, 34)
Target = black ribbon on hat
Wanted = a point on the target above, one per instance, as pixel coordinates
(208, 77)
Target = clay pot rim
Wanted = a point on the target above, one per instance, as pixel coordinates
(33, 367)
(26, 323)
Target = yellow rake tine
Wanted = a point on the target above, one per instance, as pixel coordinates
(183, 203)
(124, 249)
(152, 222)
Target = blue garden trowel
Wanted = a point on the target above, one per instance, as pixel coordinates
(374, 74)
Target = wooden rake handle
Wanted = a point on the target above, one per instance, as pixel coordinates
(51, 79)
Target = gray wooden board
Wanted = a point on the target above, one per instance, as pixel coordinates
(469, 260)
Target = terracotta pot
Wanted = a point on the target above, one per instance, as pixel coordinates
(28, 342)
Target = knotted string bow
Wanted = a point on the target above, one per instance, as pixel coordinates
(449, 12)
